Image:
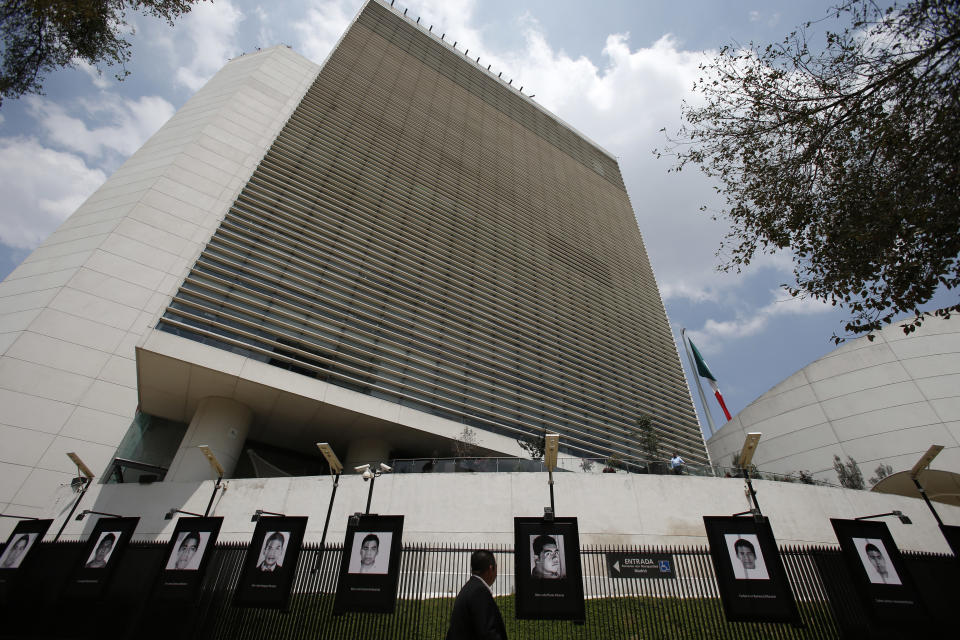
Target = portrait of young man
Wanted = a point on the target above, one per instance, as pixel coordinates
(14, 553)
(547, 557)
(272, 552)
(371, 552)
(876, 561)
(270, 563)
(103, 550)
(547, 569)
(746, 557)
(21, 544)
(188, 551)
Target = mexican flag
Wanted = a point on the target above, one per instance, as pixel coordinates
(704, 372)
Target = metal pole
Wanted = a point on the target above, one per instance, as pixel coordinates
(212, 496)
(370, 493)
(923, 493)
(326, 524)
(552, 507)
(753, 494)
(73, 508)
(696, 378)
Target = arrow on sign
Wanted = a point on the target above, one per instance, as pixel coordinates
(616, 565)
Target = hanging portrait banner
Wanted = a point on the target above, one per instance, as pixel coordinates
(753, 583)
(270, 565)
(186, 557)
(878, 571)
(370, 565)
(952, 534)
(547, 569)
(17, 553)
(100, 557)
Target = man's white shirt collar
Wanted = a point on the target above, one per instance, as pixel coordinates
(489, 588)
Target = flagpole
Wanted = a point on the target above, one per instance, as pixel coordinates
(696, 377)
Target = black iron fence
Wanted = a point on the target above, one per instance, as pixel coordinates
(686, 606)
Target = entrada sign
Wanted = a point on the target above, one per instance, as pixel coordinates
(640, 565)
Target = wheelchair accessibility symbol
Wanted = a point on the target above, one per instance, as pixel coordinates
(664, 566)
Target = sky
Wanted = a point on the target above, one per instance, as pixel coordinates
(617, 71)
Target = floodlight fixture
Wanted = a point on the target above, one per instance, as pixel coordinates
(335, 465)
(896, 512)
(172, 512)
(551, 444)
(749, 448)
(261, 512)
(925, 461)
(212, 459)
(84, 469)
(83, 514)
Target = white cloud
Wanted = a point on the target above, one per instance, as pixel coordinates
(128, 123)
(749, 323)
(323, 25)
(266, 37)
(42, 187)
(96, 76)
(770, 20)
(211, 29)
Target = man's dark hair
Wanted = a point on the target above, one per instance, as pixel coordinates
(276, 535)
(107, 538)
(481, 560)
(25, 539)
(746, 544)
(370, 536)
(871, 547)
(540, 541)
(193, 535)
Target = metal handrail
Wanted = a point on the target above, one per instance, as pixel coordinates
(483, 464)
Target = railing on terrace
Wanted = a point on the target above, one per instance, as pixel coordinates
(585, 465)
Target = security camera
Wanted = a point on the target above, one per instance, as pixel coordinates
(362, 468)
(367, 474)
(385, 468)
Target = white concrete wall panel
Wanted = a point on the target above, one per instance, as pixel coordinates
(72, 313)
(881, 402)
(479, 508)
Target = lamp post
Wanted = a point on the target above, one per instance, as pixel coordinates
(551, 444)
(217, 469)
(922, 464)
(336, 467)
(746, 456)
(87, 475)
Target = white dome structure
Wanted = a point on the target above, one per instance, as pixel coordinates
(880, 402)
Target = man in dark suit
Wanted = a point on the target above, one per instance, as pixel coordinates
(475, 614)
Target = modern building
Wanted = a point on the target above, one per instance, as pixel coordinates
(392, 252)
(881, 402)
